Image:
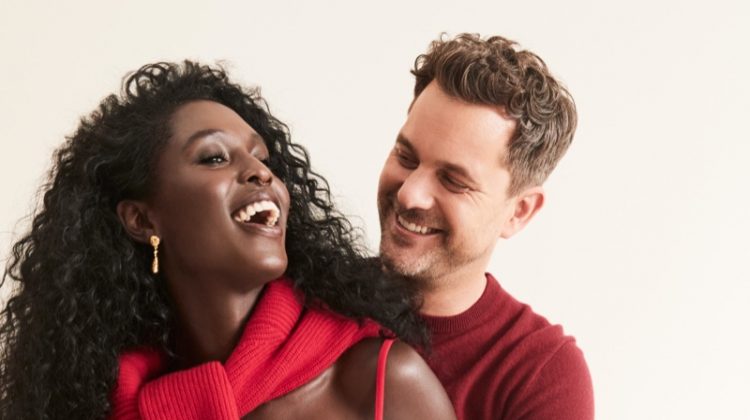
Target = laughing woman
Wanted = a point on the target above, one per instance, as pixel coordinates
(187, 263)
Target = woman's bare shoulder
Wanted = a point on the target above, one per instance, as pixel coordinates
(411, 389)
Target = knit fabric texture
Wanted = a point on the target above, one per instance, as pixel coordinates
(500, 360)
(284, 345)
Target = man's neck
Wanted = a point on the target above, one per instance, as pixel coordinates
(452, 296)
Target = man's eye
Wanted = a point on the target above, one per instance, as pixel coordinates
(213, 159)
(454, 185)
(405, 161)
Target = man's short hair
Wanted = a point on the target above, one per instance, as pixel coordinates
(495, 72)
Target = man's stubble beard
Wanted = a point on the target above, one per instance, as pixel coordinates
(426, 269)
(430, 269)
(419, 269)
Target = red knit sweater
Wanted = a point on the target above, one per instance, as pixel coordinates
(500, 360)
(284, 345)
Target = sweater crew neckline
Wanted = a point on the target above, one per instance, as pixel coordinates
(477, 314)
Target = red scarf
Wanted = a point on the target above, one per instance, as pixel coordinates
(284, 345)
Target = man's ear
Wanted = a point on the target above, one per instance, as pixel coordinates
(528, 203)
(133, 215)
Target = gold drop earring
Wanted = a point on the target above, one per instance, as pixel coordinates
(155, 263)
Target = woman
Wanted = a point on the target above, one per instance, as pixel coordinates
(167, 217)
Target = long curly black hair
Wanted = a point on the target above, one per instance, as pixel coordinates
(82, 288)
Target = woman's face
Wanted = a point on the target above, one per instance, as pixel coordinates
(220, 212)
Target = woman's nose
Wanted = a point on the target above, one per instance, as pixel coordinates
(257, 173)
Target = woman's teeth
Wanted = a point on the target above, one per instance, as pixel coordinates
(271, 212)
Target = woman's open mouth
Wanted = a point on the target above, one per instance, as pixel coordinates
(262, 212)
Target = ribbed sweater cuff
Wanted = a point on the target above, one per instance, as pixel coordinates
(202, 392)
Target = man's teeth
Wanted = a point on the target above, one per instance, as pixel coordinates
(411, 227)
(244, 215)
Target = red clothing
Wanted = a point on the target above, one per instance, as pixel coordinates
(385, 348)
(500, 360)
(284, 345)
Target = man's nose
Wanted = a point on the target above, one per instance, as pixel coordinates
(416, 191)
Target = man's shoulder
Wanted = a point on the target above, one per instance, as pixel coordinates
(517, 321)
(546, 372)
(499, 327)
(497, 315)
(515, 355)
(523, 331)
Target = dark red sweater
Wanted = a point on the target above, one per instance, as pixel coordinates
(500, 360)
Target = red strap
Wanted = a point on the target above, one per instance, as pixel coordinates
(380, 378)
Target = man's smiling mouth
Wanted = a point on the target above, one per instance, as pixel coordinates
(413, 227)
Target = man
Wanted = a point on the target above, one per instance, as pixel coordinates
(487, 125)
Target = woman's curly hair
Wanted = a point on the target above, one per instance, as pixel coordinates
(83, 291)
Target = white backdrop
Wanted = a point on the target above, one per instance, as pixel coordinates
(641, 251)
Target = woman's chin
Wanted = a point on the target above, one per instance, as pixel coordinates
(266, 270)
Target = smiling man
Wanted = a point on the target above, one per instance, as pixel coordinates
(487, 126)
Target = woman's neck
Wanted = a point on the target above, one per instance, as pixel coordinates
(209, 322)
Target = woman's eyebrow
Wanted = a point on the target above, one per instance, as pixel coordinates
(207, 132)
(199, 135)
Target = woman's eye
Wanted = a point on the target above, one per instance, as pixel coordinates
(213, 159)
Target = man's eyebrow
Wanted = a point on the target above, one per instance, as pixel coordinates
(457, 169)
(404, 142)
(445, 165)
